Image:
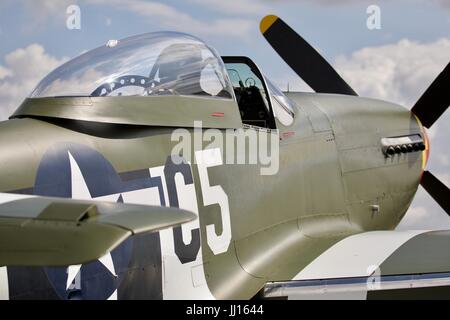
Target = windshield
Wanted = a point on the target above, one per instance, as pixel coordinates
(282, 105)
(162, 63)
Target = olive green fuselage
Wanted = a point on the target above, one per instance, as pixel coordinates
(333, 181)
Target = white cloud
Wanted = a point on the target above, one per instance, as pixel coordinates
(442, 3)
(425, 218)
(4, 72)
(165, 15)
(169, 17)
(49, 7)
(235, 7)
(413, 218)
(22, 71)
(42, 10)
(401, 72)
(39, 13)
(444, 159)
(397, 72)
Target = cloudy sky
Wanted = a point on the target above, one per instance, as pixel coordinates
(395, 63)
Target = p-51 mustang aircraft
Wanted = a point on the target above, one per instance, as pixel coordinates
(96, 204)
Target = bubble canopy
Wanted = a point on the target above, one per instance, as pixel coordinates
(161, 63)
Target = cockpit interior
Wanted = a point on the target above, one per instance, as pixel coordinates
(250, 91)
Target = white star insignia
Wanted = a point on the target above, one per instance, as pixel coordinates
(81, 191)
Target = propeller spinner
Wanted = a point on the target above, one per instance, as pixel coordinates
(428, 109)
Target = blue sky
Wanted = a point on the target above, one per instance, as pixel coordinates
(335, 29)
(395, 63)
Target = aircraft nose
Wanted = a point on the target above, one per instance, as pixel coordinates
(383, 151)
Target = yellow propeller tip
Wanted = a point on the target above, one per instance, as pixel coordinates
(267, 22)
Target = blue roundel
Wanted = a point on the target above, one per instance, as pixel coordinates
(94, 279)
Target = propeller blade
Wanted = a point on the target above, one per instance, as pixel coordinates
(435, 100)
(303, 58)
(436, 189)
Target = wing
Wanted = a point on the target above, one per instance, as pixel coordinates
(42, 231)
(374, 265)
